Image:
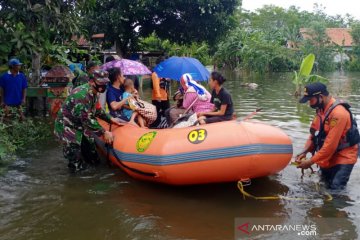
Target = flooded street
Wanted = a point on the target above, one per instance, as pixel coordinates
(40, 199)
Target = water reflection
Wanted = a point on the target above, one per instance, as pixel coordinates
(194, 212)
(332, 219)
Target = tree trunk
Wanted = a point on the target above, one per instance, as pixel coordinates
(122, 48)
(341, 62)
(35, 69)
(118, 48)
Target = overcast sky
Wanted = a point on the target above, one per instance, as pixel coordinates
(332, 7)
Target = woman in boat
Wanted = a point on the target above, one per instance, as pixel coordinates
(196, 97)
(221, 98)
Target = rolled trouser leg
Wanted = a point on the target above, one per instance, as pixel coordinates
(72, 152)
(88, 150)
(327, 175)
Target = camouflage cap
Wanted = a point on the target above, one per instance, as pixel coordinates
(101, 76)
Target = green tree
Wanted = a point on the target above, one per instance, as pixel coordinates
(259, 43)
(196, 50)
(180, 21)
(253, 51)
(5, 44)
(354, 64)
(276, 22)
(319, 43)
(32, 27)
(228, 52)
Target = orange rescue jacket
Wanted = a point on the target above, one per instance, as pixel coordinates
(336, 126)
(157, 92)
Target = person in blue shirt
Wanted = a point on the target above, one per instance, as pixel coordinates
(13, 86)
(129, 88)
(114, 94)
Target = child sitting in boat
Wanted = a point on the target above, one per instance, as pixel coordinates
(130, 115)
(221, 98)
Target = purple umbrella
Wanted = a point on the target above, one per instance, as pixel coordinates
(128, 67)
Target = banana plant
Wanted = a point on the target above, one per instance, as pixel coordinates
(304, 77)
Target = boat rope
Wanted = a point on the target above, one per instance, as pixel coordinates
(110, 148)
(245, 194)
(149, 174)
(107, 150)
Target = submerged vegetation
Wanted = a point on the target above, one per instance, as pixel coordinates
(17, 135)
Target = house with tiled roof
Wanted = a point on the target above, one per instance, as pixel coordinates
(340, 36)
(82, 42)
(337, 36)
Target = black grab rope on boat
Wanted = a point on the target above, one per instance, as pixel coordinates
(130, 168)
(107, 149)
(110, 148)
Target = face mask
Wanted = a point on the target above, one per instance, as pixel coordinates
(318, 105)
(101, 88)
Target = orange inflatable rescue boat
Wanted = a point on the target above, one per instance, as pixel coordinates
(218, 152)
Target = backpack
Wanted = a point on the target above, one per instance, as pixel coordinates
(164, 84)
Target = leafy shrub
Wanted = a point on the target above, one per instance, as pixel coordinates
(17, 135)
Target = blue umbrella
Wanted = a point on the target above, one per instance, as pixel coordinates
(175, 67)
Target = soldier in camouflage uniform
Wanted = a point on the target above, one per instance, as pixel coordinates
(76, 123)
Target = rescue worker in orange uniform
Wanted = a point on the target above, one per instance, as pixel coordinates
(333, 140)
(160, 97)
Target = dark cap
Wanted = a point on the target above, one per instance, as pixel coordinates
(312, 90)
(91, 64)
(100, 76)
(14, 62)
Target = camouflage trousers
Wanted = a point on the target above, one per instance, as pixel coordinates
(80, 156)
